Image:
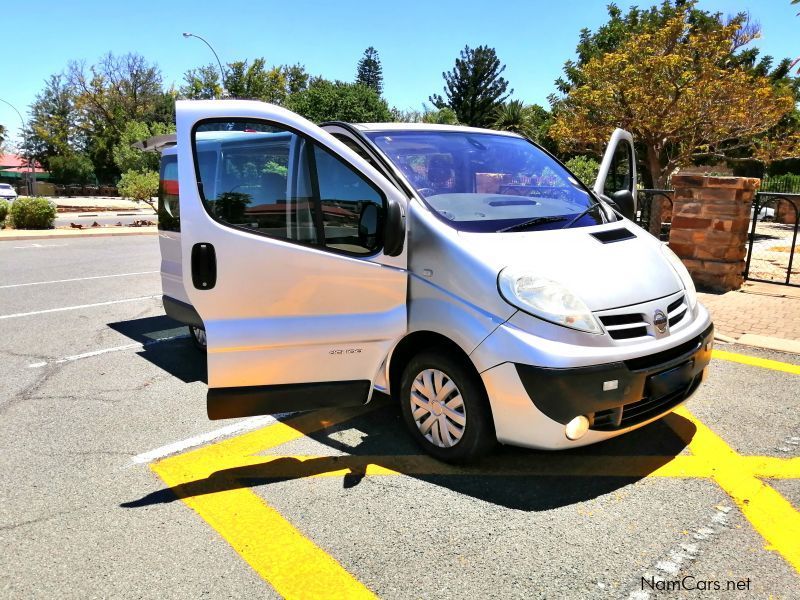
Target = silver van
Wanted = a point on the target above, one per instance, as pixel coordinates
(464, 271)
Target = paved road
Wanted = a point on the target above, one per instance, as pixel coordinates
(97, 384)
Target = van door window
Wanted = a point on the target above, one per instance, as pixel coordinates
(619, 176)
(277, 183)
(169, 216)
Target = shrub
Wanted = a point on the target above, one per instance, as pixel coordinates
(788, 183)
(3, 211)
(585, 168)
(33, 213)
(138, 185)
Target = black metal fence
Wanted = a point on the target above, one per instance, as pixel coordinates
(782, 209)
(654, 211)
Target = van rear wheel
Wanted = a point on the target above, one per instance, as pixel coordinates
(198, 337)
(445, 407)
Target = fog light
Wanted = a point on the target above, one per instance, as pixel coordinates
(576, 428)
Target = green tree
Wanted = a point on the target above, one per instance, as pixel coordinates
(531, 120)
(139, 185)
(369, 71)
(107, 95)
(585, 168)
(2, 136)
(243, 79)
(52, 127)
(670, 75)
(202, 83)
(474, 87)
(72, 167)
(128, 158)
(325, 100)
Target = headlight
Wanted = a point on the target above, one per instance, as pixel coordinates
(546, 299)
(683, 273)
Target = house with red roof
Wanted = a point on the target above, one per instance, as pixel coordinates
(13, 168)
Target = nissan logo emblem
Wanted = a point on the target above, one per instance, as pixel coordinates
(660, 321)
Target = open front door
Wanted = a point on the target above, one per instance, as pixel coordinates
(286, 258)
(616, 179)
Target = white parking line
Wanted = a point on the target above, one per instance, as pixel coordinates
(197, 440)
(34, 245)
(52, 310)
(136, 345)
(16, 285)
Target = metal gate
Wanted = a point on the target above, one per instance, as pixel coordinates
(654, 212)
(768, 236)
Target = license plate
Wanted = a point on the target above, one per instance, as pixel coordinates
(670, 381)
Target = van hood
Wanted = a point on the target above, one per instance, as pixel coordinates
(604, 275)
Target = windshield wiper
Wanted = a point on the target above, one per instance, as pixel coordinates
(585, 212)
(531, 223)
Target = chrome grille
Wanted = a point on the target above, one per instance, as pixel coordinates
(625, 327)
(676, 311)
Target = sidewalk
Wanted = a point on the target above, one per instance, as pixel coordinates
(43, 234)
(759, 314)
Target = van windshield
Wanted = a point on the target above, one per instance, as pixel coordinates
(486, 182)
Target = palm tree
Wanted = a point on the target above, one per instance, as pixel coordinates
(515, 116)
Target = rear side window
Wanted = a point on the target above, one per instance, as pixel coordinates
(275, 182)
(169, 216)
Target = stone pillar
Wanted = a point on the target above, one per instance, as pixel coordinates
(785, 213)
(710, 223)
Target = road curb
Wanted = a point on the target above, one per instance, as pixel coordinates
(77, 234)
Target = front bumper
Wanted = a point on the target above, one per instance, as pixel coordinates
(531, 405)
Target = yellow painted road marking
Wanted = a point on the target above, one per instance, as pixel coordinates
(273, 547)
(209, 480)
(754, 361)
(769, 512)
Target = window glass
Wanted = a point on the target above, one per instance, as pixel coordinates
(255, 176)
(486, 182)
(168, 208)
(619, 176)
(347, 201)
(275, 182)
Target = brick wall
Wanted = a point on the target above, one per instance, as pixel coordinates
(710, 220)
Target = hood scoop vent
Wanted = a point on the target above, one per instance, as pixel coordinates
(613, 235)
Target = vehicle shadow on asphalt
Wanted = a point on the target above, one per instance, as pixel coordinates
(166, 344)
(515, 478)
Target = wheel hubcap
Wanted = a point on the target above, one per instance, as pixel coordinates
(438, 408)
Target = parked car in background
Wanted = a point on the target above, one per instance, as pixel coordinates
(7, 192)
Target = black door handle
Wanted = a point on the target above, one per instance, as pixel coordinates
(204, 266)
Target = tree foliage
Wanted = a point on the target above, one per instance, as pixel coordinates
(139, 185)
(128, 158)
(474, 87)
(326, 100)
(52, 127)
(670, 76)
(585, 168)
(3, 135)
(248, 80)
(530, 120)
(369, 71)
(71, 167)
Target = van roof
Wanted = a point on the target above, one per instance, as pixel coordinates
(166, 143)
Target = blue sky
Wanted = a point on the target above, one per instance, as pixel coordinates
(417, 40)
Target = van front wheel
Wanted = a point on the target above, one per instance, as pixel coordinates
(445, 407)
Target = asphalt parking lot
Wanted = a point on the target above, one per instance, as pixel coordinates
(114, 483)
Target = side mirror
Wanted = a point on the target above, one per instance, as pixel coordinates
(623, 201)
(394, 232)
(368, 226)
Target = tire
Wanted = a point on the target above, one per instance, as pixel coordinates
(456, 426)
(198, 337)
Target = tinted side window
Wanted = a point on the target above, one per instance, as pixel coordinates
(351, 207)
(277, 183)
(619, 177)
(169, 216)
